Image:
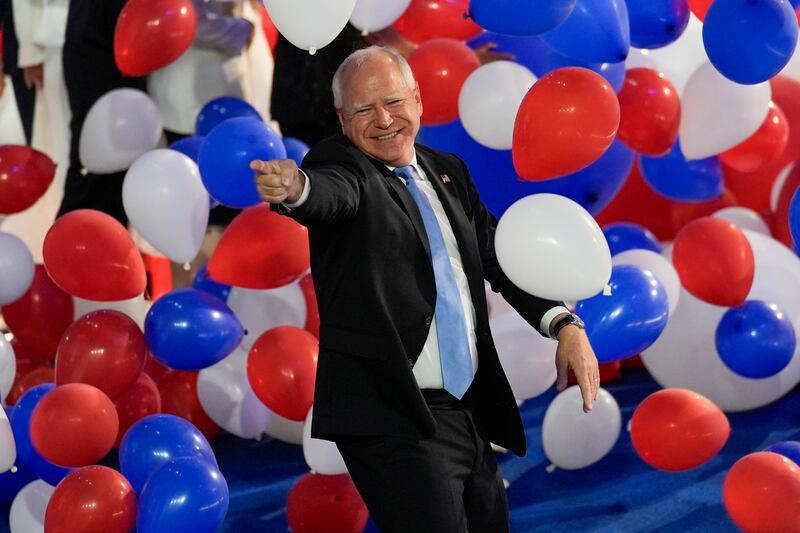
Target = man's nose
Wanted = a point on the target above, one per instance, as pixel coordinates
(383, 119)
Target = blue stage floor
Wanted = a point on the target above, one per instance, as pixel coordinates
(618, 494)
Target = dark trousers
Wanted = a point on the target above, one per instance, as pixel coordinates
(446, 484)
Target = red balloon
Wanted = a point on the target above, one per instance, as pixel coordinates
(91, 255)
(608, 372)
(678, 429)
(29, 374)
(761, 493)
(260, 250)
(268, 27)
(681, 213)
(428, 19)
(21, 351)
(155, 368)
(282, 367)
(753, 189)
(441, 66)
(140, 400)
(151, 34)
(567, 121)
(325, 503)
(92, 499)
(41, 316)
(179, 397)
(714, 260)
(103, 348)
(650, 112)
(74, 425)
(699, 8)
(25, 175)
(765, 145)
(312, 312)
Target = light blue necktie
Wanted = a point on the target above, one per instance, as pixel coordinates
(454, 353)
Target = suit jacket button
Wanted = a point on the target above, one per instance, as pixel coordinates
(428, 320)
(410, 363)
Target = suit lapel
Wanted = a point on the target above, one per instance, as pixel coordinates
(400, 193)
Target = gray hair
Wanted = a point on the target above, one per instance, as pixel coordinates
(358, 58)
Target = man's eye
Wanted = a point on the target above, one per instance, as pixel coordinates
(395, 102)
(362, 112)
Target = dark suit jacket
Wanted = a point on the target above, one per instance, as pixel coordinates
(376, 293)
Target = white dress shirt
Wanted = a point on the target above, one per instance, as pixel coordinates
(427, 370)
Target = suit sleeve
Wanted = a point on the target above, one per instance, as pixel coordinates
(530, 307)
(335, 189)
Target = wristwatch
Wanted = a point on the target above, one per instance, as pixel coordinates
(569, 319)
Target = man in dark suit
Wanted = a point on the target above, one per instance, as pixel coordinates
(409, 384)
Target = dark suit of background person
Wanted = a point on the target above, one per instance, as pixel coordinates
(25, 96)
(376, 295)
(89, 72)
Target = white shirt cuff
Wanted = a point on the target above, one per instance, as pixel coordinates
(544, 325)
(303, 196)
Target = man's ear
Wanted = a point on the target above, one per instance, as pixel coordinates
(418, 98)
(341, 118)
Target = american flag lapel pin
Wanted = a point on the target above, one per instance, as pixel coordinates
(445, 178)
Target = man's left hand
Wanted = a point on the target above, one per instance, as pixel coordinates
(575, 352)
(34, 76)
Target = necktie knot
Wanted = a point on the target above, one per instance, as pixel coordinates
(406, 173)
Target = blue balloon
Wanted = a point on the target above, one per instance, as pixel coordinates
(596, 30)
(623, 236)
(540, 58)
(189, 329)
(677, 178)
(20, 425)
(750, 41)
(630, 319)
(155, 440)
(499, 186)
(794, 218)
(186, 494)
(513, 17)
(221, 109)
(755, 340)
(226, 155)
(596, 185)
(189, 146)
(203, 282)
(295, 149)
(656, 23)
(789, 449)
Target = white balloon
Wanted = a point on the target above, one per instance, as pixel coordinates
(717, 113)
(573, 439)
(16, 268)
(167, 203)
(744, 218)
(527, 357)
(685, 355)
(678, 60)
(777, 186)
(376, 15)
(661, 268)
(228, 399)
(136, 308)
(29, 507)
(310, 24)
(120, 126)
(8, 447)
(8, 367)
(322, 456)
(489, 101)
(262, 310)
(550, 246)
(281, 428)
(792, 68)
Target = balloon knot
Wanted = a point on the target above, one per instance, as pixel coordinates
(312, 50)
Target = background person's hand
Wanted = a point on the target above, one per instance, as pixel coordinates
(34, 76)
(278, 181)
(486, 54)
(575, 352)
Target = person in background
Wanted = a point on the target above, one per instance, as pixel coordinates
(26, 76)
(90, 71)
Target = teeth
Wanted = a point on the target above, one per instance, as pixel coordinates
(387, 136)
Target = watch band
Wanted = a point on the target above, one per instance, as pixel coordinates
(571, 318)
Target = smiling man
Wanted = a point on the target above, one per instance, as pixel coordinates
(409, 384)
